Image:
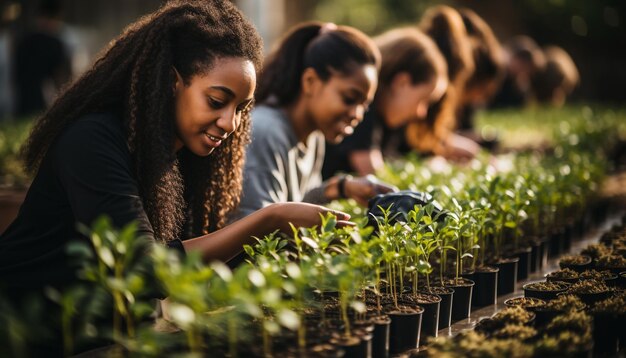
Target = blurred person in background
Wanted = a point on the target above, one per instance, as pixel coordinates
(413, 75)
(6, 87)
(556, 81)
(315, 87)
(523, 59)
(42, 61)
(435, 135)
(486, 78)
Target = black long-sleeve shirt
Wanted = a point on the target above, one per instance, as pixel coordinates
(87, 172)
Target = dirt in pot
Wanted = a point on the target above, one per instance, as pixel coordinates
(528, 303)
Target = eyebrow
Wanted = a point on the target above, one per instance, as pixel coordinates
(230, 93)
(226, 90)
(358, 92)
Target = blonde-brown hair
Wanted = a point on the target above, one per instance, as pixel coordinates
(410, 51)
(445, 26)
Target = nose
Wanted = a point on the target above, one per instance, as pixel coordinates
(229, 120)
(421, 110)
(357, 112)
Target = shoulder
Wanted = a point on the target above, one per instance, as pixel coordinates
(99, 126)
(271, 127)
(92, 133)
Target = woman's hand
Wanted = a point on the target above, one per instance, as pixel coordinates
(227, 242)
(303, 215)
(361, 189)
(460, 149)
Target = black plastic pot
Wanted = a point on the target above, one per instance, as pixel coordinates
(591, 298)
(404, 329)
(615, 270)
(430, 317)
(355, 346)
(561, 279)
(445, 306)
(568, 234)
(380, 341)
(556, 244)
(507, 275)
(621, 282)
(523, 266)
(544, 295)
(535, 256)
(462, 304)
(485, 290)
(537, 303)
(545, 248)
(612, 281)
(606, 330)
(577, 267)
(544, 316)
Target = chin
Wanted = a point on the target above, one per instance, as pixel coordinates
(203, 152)
(335, 138)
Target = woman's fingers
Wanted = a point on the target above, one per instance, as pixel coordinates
(344, 223)
(340, 214)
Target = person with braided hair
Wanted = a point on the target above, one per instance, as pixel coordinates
(315, 87)
(155, 132)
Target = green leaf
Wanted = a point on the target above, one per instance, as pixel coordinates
(249, 250)
(222, 271)
(106, 256)
(358, 306)
(256, 278)
(288, 319)
(181, 314)
(310, 242)
(331, 223)
(79, 250)
(293, 270)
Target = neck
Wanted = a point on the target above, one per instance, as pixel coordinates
(381, 103)
(300, 119)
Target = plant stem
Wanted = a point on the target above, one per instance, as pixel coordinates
(232, 337)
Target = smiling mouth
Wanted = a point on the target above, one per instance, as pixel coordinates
(214, 138)
(213, 141)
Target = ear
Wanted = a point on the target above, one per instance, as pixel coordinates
(400, 80)
(309, 81)
(178, 80)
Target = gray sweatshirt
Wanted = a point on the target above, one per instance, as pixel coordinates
(279, 168)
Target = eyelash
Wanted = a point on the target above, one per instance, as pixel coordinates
(219, 105)
(350, 101)
(215, 104)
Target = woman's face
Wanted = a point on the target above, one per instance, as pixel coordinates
(209, 107)
(409, 101)
(337, 105)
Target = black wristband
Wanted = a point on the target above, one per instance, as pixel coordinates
(341, 186)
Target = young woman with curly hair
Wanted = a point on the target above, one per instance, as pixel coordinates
(154, 133)
(314, 88)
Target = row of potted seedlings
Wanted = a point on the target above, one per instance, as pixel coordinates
(328, 291)
(331, 291)
(579, 311)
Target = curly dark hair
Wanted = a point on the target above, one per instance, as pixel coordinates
(183, 194)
